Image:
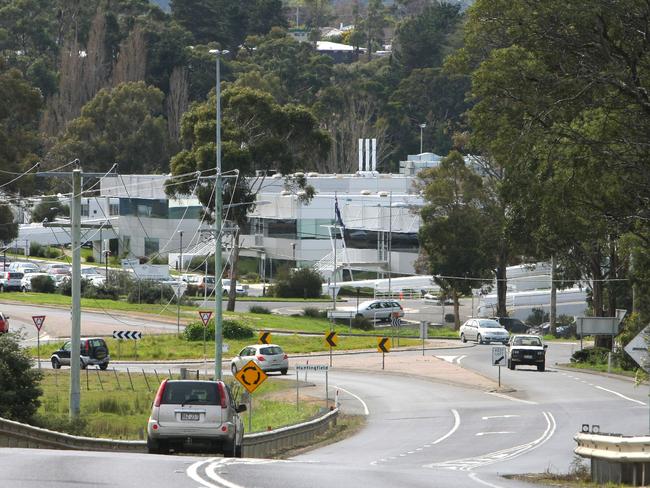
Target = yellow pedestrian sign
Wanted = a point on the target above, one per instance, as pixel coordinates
(383, 344)
(251, 376)
(264, 338)
(331, 339)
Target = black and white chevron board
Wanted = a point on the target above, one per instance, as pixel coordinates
(127, 334)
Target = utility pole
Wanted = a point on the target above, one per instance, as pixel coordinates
(390, 241)
(178, 294)
(553, 303)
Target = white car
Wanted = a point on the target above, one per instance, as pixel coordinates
(527, 349)
(23, 266)
(239, 288)
(483, 331)
(95, 277)
(269, 357)
(379, 309)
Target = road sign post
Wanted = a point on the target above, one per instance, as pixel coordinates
(499, 359)
(637, 348)
(135, 335)
(205, 318)
(314, 367)
(383, 346)
(332, 340)
(38, 322)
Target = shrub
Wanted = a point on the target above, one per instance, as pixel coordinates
(302, 283)
(19, 382)
(192, 290)
(107, 292)
(231, 330)
(362, 323)
(87, 288)
(90, 258)
(250, 278)
(314, 312)
(450, 318)
(43, 284)
(53, 253)
(591, 355)
(150, 291)
(259, 309)
(537, 317)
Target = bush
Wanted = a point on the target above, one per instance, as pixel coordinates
(314, 312)
(231, 330)
(302, 283)
(90, 258)
(192, 290)
(537, 317)
(19, 382)
(362, 323)
(150, 291)
(591, 355)
(108, 292)
(259, 309)
(53, 253)
(450, 318)
(87, 288)
(250, 278)
(43, 284)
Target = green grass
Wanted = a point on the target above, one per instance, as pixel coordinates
(170, 347)
(601, 368)
(113, 409)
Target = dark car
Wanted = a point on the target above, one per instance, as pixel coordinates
(93, 352)
(514, 326)
(4, 323)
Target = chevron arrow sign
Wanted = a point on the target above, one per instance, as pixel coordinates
(127, 334)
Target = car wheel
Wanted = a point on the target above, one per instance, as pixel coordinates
(284, 371)
(541, 367)
(510, 365)
(23, 289)
(238, 451)
(479, 339)
(83, 365)
(56, 364)
(230, 448)
(103, 366)
(462, 338)
(358, 316)
(153, 447)
(233, 369)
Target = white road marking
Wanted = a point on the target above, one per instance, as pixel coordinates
(490, 433)
(476, 478)
(508, 397)
(192, 472)
(620, 395)
(211, 471)
(453, 429)
(507, 416)
(468, 464)
(449, 359)
(460, 359)
(365, 407)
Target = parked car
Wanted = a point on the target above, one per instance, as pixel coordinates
(205, 284)
(4, 323)
(527, 349)
(56, 268)
(59, 278)
(93, 275)
(21, 266)
(239, 288)
(269, 357)
(10, 280)
(26, 282)
(512, 325)
(193, 414)
(93, 352)
(563, 331)
(379, 309)
(483, 331)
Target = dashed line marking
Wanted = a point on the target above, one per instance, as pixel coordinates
(491, 433)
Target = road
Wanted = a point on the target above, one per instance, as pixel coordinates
(419, 432)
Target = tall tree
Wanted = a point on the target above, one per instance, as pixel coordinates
(455, 231)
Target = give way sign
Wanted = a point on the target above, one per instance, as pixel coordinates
(38, 321)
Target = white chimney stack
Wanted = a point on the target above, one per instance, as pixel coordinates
(368, 155)
(360, 154)
(374, 154)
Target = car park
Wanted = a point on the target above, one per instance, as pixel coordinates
(26, 282)
(190, 415)
(483, 331)
(526, 349)
(10, 280)
(512, 325)
(4, 323)
(379, 309)
(269, 357)
(93, 352)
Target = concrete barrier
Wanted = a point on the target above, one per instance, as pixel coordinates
(616, 458)
(261, 444)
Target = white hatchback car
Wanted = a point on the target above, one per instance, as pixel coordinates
(268, 357)
(483, 331)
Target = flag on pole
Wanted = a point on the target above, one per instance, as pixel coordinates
(337, 213)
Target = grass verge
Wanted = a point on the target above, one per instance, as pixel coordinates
(601, 368)
(117, 405)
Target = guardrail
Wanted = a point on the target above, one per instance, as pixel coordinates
(261, 444)
(616, 458)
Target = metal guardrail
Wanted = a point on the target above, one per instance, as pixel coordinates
(616, 458)
(262, 444)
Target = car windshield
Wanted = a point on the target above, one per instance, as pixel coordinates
(527, 341)
(489, 324)
(182, 392)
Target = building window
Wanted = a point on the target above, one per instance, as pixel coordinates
(314, 228)
(144, 207)
(114, 209)
(85, 210)
(281, 228)
(151, 245)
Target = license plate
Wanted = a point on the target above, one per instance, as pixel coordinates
(189, 416)
(528, 356)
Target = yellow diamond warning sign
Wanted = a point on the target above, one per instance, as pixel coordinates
(251, 376)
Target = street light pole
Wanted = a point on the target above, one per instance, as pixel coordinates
(422, 126)
(218, 203)
(178, 292)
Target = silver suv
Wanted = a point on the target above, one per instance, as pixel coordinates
(195, 415)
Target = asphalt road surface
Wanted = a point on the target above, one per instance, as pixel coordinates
(419, 433)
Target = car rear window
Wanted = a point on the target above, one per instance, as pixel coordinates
(271, 350)
(489, 324)
(97, 343)
(187, 392)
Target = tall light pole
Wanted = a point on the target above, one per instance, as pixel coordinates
(178, 294)
(218, 203)
(422, 127)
